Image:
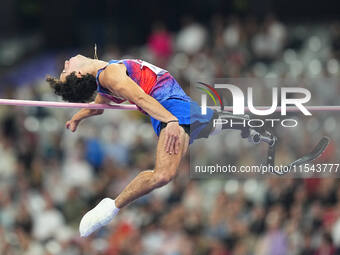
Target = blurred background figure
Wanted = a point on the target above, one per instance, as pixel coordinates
(160, 44)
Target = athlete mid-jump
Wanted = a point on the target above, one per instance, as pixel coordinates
(176, 119)
(156, 93)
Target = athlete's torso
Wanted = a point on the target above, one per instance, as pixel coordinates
(154, 81)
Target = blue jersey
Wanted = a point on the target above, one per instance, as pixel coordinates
(159, 84)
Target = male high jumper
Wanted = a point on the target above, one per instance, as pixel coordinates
(176, 119)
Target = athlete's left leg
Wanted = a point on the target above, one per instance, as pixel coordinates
(165, 170)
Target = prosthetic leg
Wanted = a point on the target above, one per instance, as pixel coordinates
(257, 135)
(254, 135)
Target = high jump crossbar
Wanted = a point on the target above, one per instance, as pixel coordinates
(51, 104)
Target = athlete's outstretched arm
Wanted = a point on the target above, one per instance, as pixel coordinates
(115, 79)
(85, 113)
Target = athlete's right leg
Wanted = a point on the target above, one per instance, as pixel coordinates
(225, 121)
(229, 121)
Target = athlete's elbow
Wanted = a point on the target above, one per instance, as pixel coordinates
(139, 100)
(99, 111)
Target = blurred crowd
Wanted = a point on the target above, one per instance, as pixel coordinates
(50, 177)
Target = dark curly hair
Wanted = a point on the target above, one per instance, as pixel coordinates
(75, 89)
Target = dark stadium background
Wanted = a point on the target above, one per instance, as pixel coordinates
(68, 23)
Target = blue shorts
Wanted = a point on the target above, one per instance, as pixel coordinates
(188, 113)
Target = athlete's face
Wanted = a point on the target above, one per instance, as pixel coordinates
(74, 64)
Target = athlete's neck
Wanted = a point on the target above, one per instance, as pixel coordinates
(95, 65)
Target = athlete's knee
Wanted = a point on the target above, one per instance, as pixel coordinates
(163, 177)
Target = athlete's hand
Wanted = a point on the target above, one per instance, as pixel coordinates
(172, 135)
(72, 124)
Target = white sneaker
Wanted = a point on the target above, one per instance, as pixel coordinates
(99, 216)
